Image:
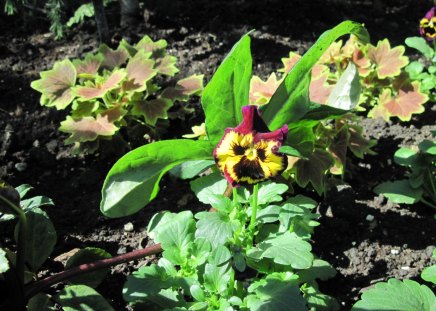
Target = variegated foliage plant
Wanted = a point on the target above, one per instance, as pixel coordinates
(113, 88)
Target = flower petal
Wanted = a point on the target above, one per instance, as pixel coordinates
(251, 121)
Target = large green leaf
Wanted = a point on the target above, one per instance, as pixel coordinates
(399, 191)
(82, 298)
(291, 100)
(228, 90)
(421, 45)
(40, 237)
(399, 296)
(134, 179)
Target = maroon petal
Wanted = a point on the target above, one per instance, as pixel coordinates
(251, 121)
(277, 135)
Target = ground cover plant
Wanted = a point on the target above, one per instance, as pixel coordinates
(112, 89)
(361, 237)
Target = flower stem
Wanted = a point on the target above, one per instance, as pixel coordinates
(235, 196)
(254, 208)
(32, 289)
(21, 243)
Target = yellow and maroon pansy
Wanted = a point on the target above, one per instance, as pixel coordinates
(248, 153)
(427, 25)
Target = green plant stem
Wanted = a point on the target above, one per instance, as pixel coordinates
(232, 282)
(254, 208)
(21, 243)
(33, 289)
(432, 182)
(235, 196)
(428, 203)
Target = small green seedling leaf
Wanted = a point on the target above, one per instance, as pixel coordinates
(87, 255)
(397, 295)
(206, 186)
(4, 262)
(399, 191)
(56, 85)
(320, 269)
(421, 45)
(82, 298)
(23, 190)
(405, 156)
(428, 146)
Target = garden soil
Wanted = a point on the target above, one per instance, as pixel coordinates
(366, 238)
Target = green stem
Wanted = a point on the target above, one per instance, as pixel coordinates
(21, 243)
(254, 208)
(232, 282)
(432, 182)
(428, 203)
(235, 196)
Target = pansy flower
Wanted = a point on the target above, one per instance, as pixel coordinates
(427, 25)
(248, 153)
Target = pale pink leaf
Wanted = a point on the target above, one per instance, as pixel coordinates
(332, 54)
(262, 91)
(56, 85)
(379, 111)
(87, 128)
(152, 110)
(319, 89)
(184, 88)
(99, 89)
(113, 58)
(139, 71)
(88, 66)
(156, 48)
(388, 61)
(167, 65)
(289, 62)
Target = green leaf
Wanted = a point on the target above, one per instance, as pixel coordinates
(87, 255)
(421, 45)
(287, 249)
(35, 202)
(320, 269)
(197, 293)
(291, 100)
(87, 128)
(82, 298)
(134, 179)
(40, 238)
(268, 214)
(345, 95)
(428, 146)
(56, 85)
(275, 294)
(216, 278)
(302, 139)
(176, 237)
(23, 190)
(270, 192)
(429, 274)
(290, 151)
(319, 301)
(221, 203)
(228, 90)
(396, 295)
(405, 156)
(190, 169)
(215, 227)
(4, 262)
(220, 256)
(206, 186)
(40, 302)
(296, 216)
(200, 252)
(399, 191)
(313, 169)
(414, 69)
(146, 282)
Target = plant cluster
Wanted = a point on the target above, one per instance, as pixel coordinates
(387, 89)
(420, 186)
(113, 88)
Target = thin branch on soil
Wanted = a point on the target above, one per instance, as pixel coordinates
(33, 289)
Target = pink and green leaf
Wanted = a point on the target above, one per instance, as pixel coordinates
(320, 89)
(87, 128)
(139, 71)
(338, 149)
(56, 85)
(289, 62)
(357, 143)
(89, 66)
(388, 61)
(99, 89)
(167, 65)
(84, 108)
(113, 58)
(152, 110)
(184, 88)
(262, 91)
(115, 113)
(156, 48)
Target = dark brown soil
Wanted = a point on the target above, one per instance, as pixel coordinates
(397, 243)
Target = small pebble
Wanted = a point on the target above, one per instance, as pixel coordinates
(128, 227)
(369, 217)
(21, 167)
(121, 250)
(406, 268)
(353, 243)
(395, 251)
